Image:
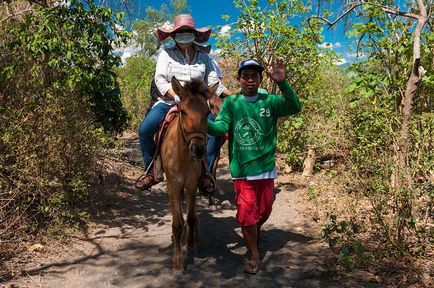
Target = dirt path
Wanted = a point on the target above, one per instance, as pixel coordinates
(128, 242)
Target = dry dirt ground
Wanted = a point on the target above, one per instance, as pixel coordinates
(128, 241)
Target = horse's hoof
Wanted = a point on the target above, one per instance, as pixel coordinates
(176, 274)
(192, 251)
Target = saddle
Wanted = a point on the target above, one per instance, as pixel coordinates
(156, 163)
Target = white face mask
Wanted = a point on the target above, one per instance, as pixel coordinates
(184, 38)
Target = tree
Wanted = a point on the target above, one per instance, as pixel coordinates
(419, 14)
(59, 98)
(391, 119)
(275, 30)
(145, 30)
(135, 81)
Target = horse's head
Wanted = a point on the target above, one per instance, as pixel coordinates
(193, 111)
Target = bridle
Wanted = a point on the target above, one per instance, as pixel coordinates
(189, 135)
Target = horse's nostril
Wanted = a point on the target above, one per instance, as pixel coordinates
(197, 152)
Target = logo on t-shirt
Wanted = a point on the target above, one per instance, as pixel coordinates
(247, 131)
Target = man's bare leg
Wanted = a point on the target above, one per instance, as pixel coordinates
(258, 230)
(251, 238)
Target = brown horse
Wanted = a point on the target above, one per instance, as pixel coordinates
(182, 152)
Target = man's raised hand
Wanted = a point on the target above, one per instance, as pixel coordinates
(276, 70)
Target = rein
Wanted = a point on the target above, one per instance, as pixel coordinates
(188, 136)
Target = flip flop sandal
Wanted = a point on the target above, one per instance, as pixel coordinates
(249, 268)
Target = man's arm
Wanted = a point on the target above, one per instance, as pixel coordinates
(226, 93)
(221, 124)
(292, 102)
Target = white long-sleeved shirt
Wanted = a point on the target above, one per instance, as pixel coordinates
(172, 62)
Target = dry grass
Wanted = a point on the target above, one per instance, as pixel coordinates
(327, 190)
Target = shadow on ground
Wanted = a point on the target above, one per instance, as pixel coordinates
(128, 244)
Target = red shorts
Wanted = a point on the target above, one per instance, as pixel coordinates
(254, 200)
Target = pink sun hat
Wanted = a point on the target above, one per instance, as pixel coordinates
(184, 21)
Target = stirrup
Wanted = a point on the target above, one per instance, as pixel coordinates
(206, 185)
(145, 182)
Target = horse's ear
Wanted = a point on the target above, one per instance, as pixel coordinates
(176, 86)
(212, 89)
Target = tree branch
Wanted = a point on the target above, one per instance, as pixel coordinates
(330, 24)
(43, 3)
(387, 9)
(384, 8)
(11, 15)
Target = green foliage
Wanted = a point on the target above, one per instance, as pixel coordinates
(394, 211)
(323, 122)
(59, 96)
(272, 31)
(72, 47)
(376, 91)
(145, 30)
(343, 237)
(135, 82)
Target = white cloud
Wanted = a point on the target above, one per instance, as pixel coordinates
(340, 61)
(224, 31)
(126, 52)
(328, 45)
(214, 53)
(357, 55)
(119, 27)
(167, 25)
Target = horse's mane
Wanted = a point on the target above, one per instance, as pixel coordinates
(196, 86)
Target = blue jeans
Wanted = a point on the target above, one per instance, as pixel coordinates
(213, 146)
(147, 129)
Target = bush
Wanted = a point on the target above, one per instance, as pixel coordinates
(59, 99)
(135, 82)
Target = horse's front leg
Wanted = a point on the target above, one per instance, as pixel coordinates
(192, 220)
(177, 224)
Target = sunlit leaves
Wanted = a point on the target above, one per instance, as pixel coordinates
(57, 86)
(145, 35)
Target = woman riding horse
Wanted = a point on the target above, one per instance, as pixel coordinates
(185, 61)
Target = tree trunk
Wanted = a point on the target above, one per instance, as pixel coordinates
(402, 174)
(417, 73)
(309, 162)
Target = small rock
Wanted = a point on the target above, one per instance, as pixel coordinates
(288, 169)
(35, 247)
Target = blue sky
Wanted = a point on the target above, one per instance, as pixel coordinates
(208, 13)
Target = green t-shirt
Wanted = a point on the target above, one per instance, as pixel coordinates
(252, 129)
